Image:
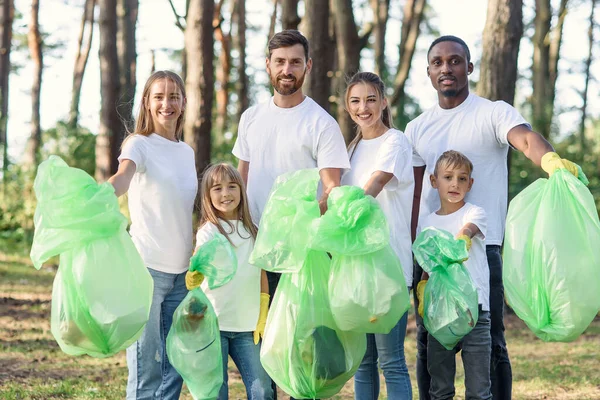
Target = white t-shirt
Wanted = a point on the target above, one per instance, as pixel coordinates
(237, 303)
(478, 128)
(477, 264)
(392, 153)
(161, 200)
(277, 140)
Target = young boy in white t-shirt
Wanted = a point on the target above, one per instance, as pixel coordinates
(452, 179)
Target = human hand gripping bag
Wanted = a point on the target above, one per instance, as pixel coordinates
(102, 292)
(367, 289)
(282, 241)
(552, 257)
(194, 341)
(451, 303)
(303, 350)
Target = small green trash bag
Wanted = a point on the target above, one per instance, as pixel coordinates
(194, 341)
(451, 303)
(303, 350)
(354, 224)
(102, 291)
(281, 245)
(368, 293)
(552, 257)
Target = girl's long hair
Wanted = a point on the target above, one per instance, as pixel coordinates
(375, 81)
(213, 175)
(143, 122)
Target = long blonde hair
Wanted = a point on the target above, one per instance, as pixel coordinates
(208, 213)
(143, 123)
(375, 81)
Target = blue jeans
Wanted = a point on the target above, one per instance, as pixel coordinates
(500, 368)
(246, 356)
(475, 352)
(151, 376)
(389, 348)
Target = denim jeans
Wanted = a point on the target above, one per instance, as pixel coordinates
(151, 376)
(475, 352)
(500, 368)
(389, 348)
(246, 356)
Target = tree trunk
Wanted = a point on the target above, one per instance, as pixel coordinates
(315, 25)
(242, 81)
(348, 49)
(199, 45)
(127, 12)
(289, 14)
(223, 72)
(380, 12)
(411, 28)
(273, 20)
(34, 41)
(83, 52)
(110, 132)
(7, 14)
(588, 63)
(546, 51)
(501, 39)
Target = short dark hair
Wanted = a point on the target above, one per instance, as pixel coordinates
(288, 38)
(450, 38)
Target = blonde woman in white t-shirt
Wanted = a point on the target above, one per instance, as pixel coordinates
(242, 304)
(381, 163)
(158, 171)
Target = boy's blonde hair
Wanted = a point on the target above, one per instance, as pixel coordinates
(212, 175)
(453, 159)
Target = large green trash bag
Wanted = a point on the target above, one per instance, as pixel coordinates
(281, 245)
(451, 303)
(102, 291)
(368, 292)
(303, 350)
(552, 257)
(194, 341)
(354, 224)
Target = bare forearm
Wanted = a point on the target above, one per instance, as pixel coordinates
(377, 182)
(330, 177)
(469, 230)
(123, 177)
(530, 143)
(418, 172)
(264, 282)
(243, 167)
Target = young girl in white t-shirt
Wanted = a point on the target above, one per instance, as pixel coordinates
(242, 304)
(381, 164)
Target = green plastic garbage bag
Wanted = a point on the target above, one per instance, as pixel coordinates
(102, 292)
(194, 341)
(354, 224)
(368, 292)
(303, 350)
(451, 303)
(552, 257)
(281, 245)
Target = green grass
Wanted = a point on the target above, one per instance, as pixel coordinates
(32, 366)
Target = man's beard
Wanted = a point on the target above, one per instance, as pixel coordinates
(286, 91)
(450, 93)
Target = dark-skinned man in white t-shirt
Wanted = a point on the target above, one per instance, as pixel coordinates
(483, 130)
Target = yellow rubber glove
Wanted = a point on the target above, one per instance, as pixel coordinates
(420, 291)
(552, 161)
(193, 279)
(466, 239)
(262, 317)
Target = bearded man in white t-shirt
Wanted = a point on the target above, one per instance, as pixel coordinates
(482, 130)
(287, 133)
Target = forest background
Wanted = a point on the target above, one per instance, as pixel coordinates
(69, 73)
